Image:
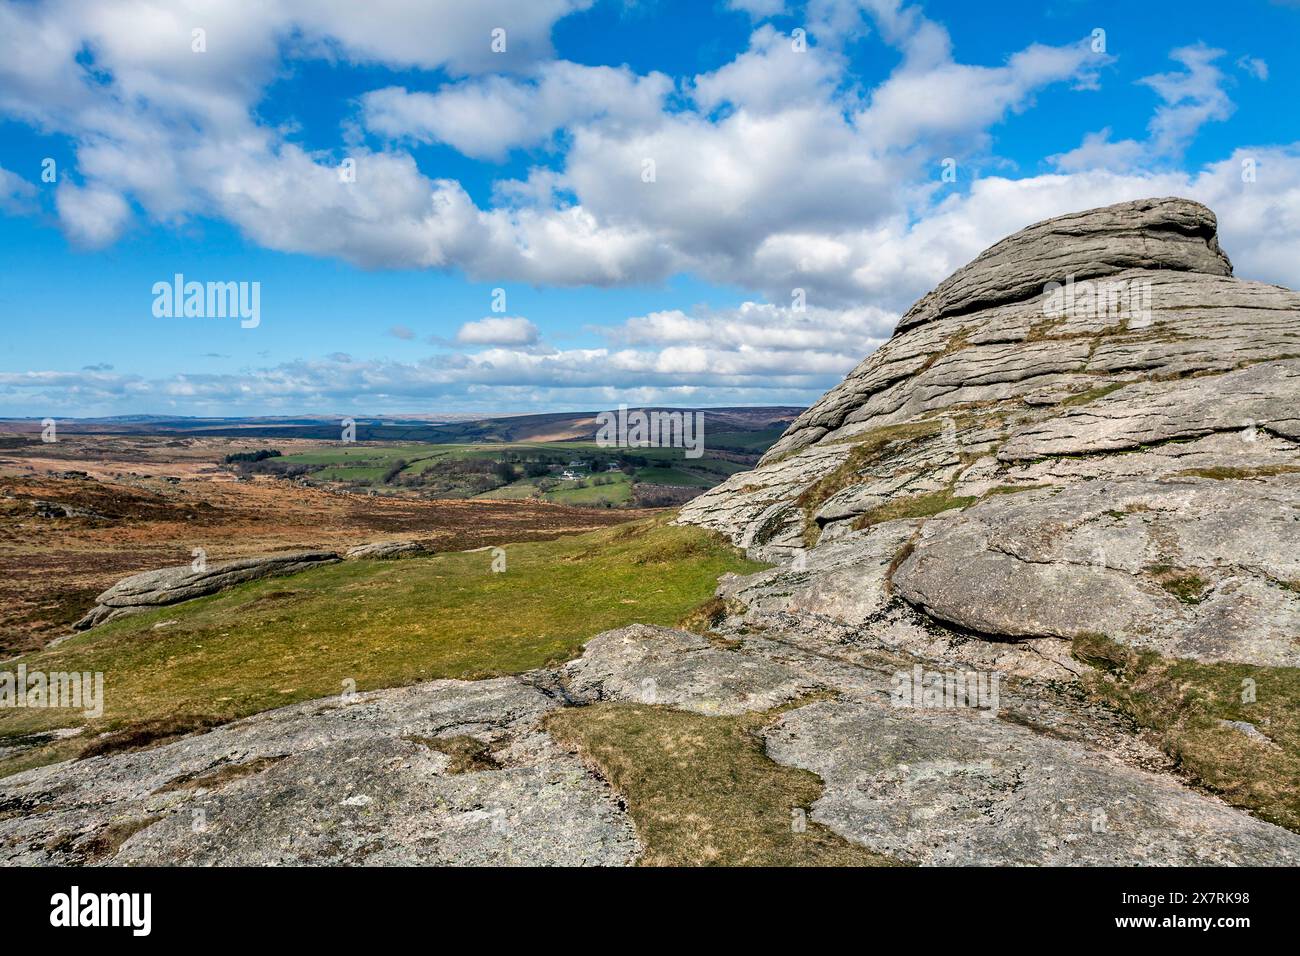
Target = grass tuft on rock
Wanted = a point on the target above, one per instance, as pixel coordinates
(867, 448)
(704, 618)
(1190, 706)
(1238, 474)
(1013, 489)
(1092, 394)
(702, 791)
(1188, 586)
(916, 506)
(468, 754)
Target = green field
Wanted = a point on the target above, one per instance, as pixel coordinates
(617, 491)
(514, 470)
(378, 623)
(524, 488)
(359, 472)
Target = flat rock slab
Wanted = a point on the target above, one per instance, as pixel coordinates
(1264, 396)
(384, 778)
(385, 803)
(939, 788)
(357, 781)
(659, 665)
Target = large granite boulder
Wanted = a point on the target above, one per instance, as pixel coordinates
(151, 589)
(945, 788)
(1091, 428)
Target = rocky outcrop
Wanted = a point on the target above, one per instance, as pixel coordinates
(1091, 428)
(151, 589)
(1149, 234)
(54, 509)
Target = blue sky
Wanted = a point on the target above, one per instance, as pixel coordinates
(779, 165)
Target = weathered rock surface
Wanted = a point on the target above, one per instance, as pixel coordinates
(950, 788)
(360, 781)
(659, 665)
(150, 589)
(375, 780)
(1146, 234)
(1263, 396)
(1002, 477)
(1190, 567)
(388, 550)
(1152, 443)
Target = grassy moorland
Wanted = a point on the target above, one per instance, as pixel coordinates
(376, 623)
(52, 568)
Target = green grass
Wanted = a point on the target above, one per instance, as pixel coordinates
(1238, 474)
(584, 493)
(523, 488)
(349, 454)
(1092, 394)
(367, 464)
(916, 506)
(356, 472)
(1181, 702)
(617, 491)
(381, 623)
(1187, 586)
(754, 443)
(702, 792)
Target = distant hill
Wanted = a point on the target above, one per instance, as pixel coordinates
(546, 427)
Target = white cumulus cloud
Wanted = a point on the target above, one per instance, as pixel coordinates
(498, 331)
